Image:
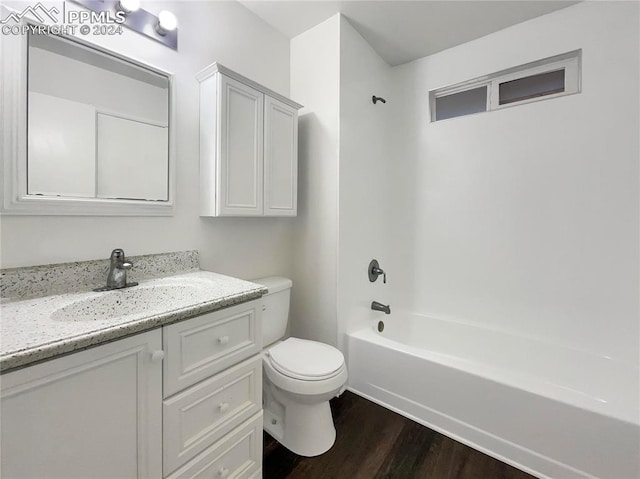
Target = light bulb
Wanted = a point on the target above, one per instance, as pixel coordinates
(167, 22)
(129, 6)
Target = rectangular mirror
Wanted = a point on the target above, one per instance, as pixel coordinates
(98, 137)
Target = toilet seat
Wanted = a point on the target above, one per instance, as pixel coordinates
(306, 360)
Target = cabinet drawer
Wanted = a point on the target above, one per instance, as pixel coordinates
(203, 346)
(238, 455)
(194, 419)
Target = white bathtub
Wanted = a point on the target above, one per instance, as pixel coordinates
(551, 411)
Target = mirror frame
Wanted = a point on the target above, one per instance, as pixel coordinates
(13, 138)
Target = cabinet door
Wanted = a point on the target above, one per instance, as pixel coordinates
(92, 414)
(280, 158)
(240, 149)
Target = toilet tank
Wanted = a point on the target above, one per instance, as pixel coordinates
(275, 308)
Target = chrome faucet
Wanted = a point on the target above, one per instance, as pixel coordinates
(117, 276)
(381, 307)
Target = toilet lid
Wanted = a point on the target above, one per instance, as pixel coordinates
(307, 360)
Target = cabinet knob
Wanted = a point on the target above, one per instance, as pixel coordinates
(223, 339)
(157, 356)
(223, 406)
(223, 472)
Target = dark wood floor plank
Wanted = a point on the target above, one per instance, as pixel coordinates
(364, 438)
(375, 443)
(410, 453)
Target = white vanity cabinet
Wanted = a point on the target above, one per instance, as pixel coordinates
(184, 400)
(248, 147)
(92, 414)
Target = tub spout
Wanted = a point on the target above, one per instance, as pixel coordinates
(381, 307)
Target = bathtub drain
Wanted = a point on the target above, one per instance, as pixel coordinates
(380, 326)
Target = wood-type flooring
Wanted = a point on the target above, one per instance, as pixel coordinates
(375, 443)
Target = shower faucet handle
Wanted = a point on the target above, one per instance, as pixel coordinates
(379, 272)
(375, 271)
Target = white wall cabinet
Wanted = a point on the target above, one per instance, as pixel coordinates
(92, 414)
(248, 147)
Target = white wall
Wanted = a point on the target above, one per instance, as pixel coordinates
(344, 204)
(526, 219)
(315, 82)
(366, 162)
(208, 31)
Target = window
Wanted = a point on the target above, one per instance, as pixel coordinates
(533, 86)
(465, 102)
(549, 78)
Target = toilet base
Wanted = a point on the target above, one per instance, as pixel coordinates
(305, 429)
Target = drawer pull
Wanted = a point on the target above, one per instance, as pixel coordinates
(223, 406)
(223, 472)
(223, 339)
(157, 356)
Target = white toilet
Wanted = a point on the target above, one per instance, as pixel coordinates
(299, 378)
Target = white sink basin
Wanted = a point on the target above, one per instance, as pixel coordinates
(137, 300)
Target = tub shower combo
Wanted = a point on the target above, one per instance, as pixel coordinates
(542, 407)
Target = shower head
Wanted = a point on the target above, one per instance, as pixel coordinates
(376, 99)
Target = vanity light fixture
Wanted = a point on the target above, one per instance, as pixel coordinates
(129, 6)
(167, 22)
(162, 28)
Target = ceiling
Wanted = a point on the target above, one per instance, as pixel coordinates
(402, 31)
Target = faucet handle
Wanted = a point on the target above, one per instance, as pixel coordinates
(118, 259)
(375, 271)
(117, 253)
(117, 275)
(378, 272)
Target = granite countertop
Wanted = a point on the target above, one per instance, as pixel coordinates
(33, 330)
